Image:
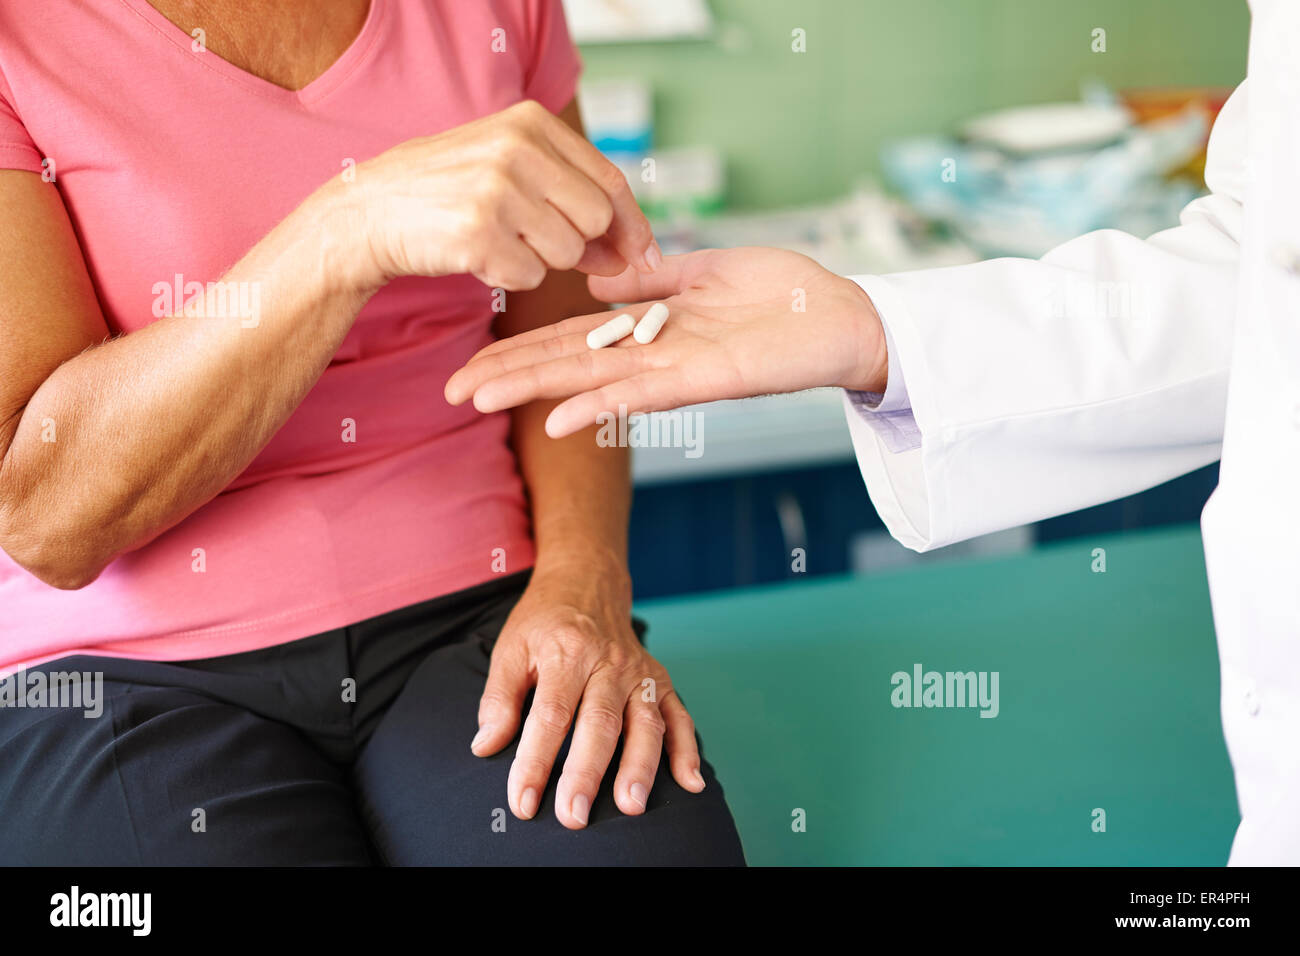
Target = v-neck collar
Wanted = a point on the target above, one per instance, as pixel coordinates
(317, 89)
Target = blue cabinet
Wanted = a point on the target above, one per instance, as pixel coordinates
(739, 531)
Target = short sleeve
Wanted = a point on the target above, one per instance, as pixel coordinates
(17, 151)
(553, 67)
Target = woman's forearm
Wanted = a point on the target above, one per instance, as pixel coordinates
(149, 426)
(580, 493)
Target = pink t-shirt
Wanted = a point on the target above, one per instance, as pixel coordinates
(172, 162)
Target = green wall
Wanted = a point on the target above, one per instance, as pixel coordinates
(801, 127)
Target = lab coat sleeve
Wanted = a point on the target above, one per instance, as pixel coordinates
(1043, 386)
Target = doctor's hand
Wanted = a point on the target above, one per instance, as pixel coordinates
(570, 640)
(742, 322)
(505, 198)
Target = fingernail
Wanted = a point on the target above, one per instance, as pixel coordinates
(654, 258)
(528, 803)
(580, 807)
(483, 734)
(699, 778)
(638, 794)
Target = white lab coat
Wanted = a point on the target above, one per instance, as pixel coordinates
(1037, 393)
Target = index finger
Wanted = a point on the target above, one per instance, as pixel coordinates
(629, 230)
(502, 357)
(578, 324)
(630, 286)
(558, 692)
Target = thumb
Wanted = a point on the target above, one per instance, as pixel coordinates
(503, 699)
(632, 286)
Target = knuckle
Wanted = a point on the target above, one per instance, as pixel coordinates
(553, 347)
(512, 283)
(575, 635)
(493, 185)
(522, 121)
(582, 778)
(610, 178)
(552, 717)
(572, 253)
(639, 231)
(528, 768)
(682, 720)
(532, 110)
(519, 280)
(586, 362)
(556, 656)
(602, 719)
(473, 228)
(515, 149)
(620, 660)
(592, 217)
(535, 275)
(511, 134)
(585, 623)
(513, 278)
(649, 718)
(489, 276)
(641, 767)
(602, 216)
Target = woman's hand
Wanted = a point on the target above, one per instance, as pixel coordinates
(743, 322)
(504, 198)
(570, 637)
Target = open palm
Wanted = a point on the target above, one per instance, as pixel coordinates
(748, 321)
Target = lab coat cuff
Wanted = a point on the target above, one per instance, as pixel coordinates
(889, 413)
(894, 398)
(903, 477)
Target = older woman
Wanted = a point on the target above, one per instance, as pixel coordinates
(244, 246)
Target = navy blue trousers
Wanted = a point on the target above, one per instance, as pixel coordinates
(263, 759)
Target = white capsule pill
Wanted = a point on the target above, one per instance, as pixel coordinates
(619, 327)
(651, 323)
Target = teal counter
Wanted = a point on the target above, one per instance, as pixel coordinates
(1108, 698)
